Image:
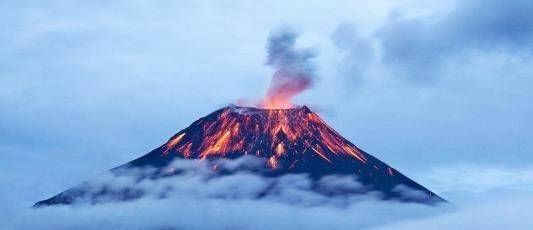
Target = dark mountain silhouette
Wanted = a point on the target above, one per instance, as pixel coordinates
(291, 141)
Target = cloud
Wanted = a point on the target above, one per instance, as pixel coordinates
(191, 212)
(406, 191)
(459, 181)
(197, 198)
(419, 47)
(488, 197)
(222, 179)
(494, 213)
(356, 53)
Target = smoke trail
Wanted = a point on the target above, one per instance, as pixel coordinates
(294, 72)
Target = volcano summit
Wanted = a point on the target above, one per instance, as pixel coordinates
(288, 141)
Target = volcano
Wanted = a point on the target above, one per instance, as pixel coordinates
(290, 141)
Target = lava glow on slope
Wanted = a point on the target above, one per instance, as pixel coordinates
(273, 134)
(283, 141)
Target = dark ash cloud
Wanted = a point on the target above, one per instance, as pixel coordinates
(294, 71)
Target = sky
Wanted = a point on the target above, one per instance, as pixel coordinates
(440, 90)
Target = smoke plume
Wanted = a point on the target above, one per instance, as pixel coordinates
(294, 71)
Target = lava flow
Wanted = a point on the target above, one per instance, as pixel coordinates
(274, 134)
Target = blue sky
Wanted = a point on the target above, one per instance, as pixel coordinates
(424, 86)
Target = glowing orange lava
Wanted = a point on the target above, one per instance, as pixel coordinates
(283, 88)
(280, 150)
(172, 143)
(275, 134)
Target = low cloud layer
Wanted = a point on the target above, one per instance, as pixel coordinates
(198, 198)
(467, 182)
(503, 212)
(199, 201)
(223, 179)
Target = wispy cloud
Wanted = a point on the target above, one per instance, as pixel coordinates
(471, 179)
(495, 213)
(419, 48)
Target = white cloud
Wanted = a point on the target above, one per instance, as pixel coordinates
(478, 179)
(494, 213)
(198, 200)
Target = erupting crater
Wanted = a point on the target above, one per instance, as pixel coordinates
(284, 136)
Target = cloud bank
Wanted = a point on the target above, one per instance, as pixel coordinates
(200, 201)
(419, 48)
(198, 198)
